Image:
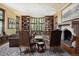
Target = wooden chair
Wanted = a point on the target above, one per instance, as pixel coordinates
(55, 41)
(55, 38)
(41, 45)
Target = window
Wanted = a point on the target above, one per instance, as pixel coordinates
(37, 24)
(17, 23)
(1, 20)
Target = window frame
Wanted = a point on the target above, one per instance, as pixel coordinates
(17, 24)
(3, 20)
(35, 23)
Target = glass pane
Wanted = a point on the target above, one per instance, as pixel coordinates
(43, 20)
(35, 27)
(0, 27)
(43, 27)
(1, 14)
(17, 19)
(40, 27)
(32, 20)
(32, 27)
(40, 20)
(17, 23)
(38, 24)
(35, 20)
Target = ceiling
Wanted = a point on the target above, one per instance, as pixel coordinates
(33, 9)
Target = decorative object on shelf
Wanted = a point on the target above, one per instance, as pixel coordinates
(25, 23)
(49, 24)
(11, 23)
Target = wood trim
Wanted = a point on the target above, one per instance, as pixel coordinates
(64, 25)
(75, 22)
(18, 22)
(66, 6)
(70, 20)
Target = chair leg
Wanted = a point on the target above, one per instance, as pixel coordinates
(20, 51)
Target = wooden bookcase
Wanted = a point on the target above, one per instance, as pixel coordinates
(25, 23)
(49, 20)
(24, 33)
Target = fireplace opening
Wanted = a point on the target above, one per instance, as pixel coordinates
(67, 36)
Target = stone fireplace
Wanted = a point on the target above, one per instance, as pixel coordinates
(70, 35)
(67, 32)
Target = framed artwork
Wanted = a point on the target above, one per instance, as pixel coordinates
(70, 12)
(11, 23)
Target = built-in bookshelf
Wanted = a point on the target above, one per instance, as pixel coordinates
(25, 30)
(49, 21)
(26, 23)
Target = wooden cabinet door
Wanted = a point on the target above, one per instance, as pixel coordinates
(24, 38)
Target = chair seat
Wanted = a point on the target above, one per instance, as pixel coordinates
(41, 46)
